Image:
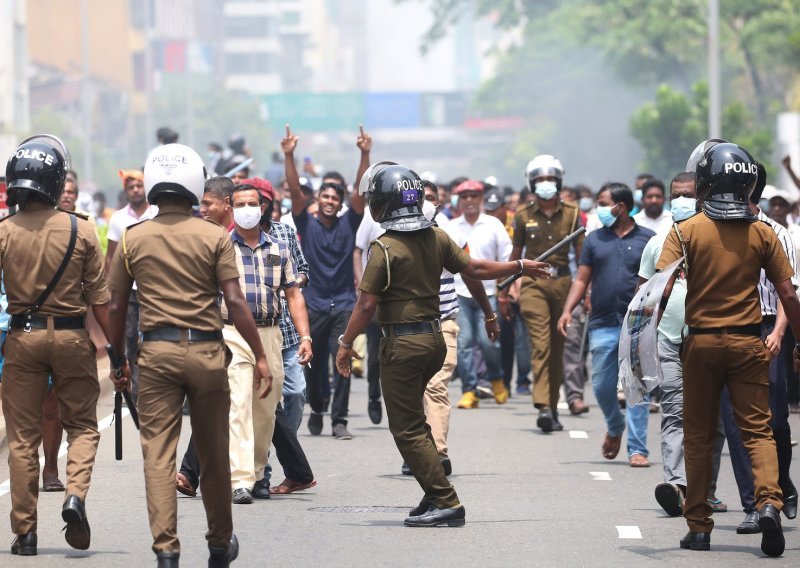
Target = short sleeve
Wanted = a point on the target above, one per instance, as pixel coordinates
(115, 228)
(354, 219)
(587, 252)
(647, 267)
(776, 263)
(363, 233)
(375, 276)
(670, 252)
(289, 273)
(454, 258)
(519, 230)
(119, 280)
(226, 259)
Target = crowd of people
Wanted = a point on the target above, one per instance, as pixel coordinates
(271, 299)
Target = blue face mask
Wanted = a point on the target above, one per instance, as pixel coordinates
(763, 204)
(585, 204)
(605, 216)
(286, 204)
(683, 208)
(637, 196)
(454, 201)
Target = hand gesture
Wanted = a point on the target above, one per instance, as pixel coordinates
(787, 162)
(262, 378)
(289, 143)
(564, 322)
(535, 270)
(364, 140)
(492, 329)
(773, 344)
(343, 357)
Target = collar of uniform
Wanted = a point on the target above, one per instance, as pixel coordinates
(263, 238)
(536, 209)
(177, 209)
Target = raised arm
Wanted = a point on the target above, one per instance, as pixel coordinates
(364, 143)
(288, 145)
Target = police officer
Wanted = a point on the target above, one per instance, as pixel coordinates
(725, 248)
(52, 268)
(180, 263)
(537, 227)
(401, 279)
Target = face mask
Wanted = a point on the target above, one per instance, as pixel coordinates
(454, 201)
(763, 204)
(605, 215)
(546, 189)
(428, 210)
(585, 204)
(637, 196)
(286, 204)
(683, 208)
(211, 155)
(247, 217)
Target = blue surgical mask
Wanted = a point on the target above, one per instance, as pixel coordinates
(605, 216)
(546, 189)
(585, 204)
(683, 208)
(454, 201)
(286, 204)
(763, 204)
(637, 196)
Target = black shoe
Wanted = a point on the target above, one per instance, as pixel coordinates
(315, 423)
(375, 411)
(405, 469)
(222, 557)
(261, 489)
(696, 541)
(167, 559)
(557, 426)
(790, 502)
(423, 507)
(25, 544)
(545, 420)
(326, 403)
(340, 432)
(772, 541)
(670, 497)
(78, 534)
(749, 525)
(448, 467)
(242, 496)
(434, 517)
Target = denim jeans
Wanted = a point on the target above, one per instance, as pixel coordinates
(294, 387)
(470, 322)
(604, 346)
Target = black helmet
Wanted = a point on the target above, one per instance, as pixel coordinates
(726, 176)
(394, 194)
(39, 165)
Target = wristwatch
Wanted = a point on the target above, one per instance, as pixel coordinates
(342, 343)
(306, 338)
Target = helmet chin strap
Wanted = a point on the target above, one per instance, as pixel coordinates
(723, 210)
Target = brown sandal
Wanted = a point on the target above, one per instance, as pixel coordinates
(611, 446)
(638, 460)
(288, 486)
(52, 485)
(183, 486)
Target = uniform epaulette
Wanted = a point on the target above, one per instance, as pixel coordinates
(137, 223)
(75, 213)
(568, 205)
(9, 216)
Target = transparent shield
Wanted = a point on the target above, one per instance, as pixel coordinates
(55, 142)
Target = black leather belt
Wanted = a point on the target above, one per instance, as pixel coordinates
(412, 328)
(32, 321)
(176, 335)
(561, 271)
(754, 330)
(265, 322)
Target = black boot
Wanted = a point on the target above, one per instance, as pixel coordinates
(168, 559)
(78, 533)
(222, 557)
(24, 544)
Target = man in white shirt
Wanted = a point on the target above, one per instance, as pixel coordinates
(137, 210)
(653, 216)
(488, 239)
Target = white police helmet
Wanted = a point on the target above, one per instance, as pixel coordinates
(544, 165)
(177, 169)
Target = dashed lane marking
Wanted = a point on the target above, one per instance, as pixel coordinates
(578, 434)
(629, 532)
(600, 475)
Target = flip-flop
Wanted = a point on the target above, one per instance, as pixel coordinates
(611, 446)
(183, 486)
(52, 485)
(717, 505)
(288, 486)
(638, 460)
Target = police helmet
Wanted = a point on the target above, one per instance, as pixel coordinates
(395, 195)
(700, 149)
(544, 165)
(176, 169)
(726, 176)
(38, 166)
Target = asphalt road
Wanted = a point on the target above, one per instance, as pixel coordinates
(531, 499)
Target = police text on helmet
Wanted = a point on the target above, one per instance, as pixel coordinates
(34, 155)
(409, 184)
(741, 168)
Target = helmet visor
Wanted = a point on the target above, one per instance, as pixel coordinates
(699, 151)
(366, 179)
(55, 142)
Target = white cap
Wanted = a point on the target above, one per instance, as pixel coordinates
(771, 191)
(176, 167)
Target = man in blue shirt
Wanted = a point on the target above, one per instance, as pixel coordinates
(328, 242)
(610, 263)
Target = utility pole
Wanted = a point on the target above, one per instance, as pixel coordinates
(714, 97)
(86, 95)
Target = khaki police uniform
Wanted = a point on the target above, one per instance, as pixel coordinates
(724, 348)
(32, 246)
(412, 348)
(178, 262)
(542, 301)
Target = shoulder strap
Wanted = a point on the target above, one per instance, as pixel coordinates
(385, 249)
(683, 247)
(125, 252)
(73, 236)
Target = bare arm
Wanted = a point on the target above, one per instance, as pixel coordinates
(357, 265)
(288, 146)
(297, 309)
(364, 144)
(116, 312)
(577, 291)
(787, 163)
(773, 340)
(361, 316)
(790, 304)
(112, 248)
(481, 269)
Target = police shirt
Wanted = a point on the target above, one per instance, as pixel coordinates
(178, 262)
(725, 259)
(32, 246)
(416, 260)
(537, 232)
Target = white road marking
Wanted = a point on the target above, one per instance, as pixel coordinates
(562, 406)
(600, 475)
(629, 532)
(578, 434)
(5, 487)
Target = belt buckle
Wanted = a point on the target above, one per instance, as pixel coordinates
(553, 271)
(189, 336)
(27, 328)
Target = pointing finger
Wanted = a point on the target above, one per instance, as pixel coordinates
(288, 131)
(361, 129)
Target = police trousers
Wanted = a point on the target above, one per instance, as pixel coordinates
(408, 362)
(167, 373)
(69, 357)
(741, 363)
(541, 304)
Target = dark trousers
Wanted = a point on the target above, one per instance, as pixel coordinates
(780, 368)
(132, 341)
(325, 328)
(287, 448)
(373, 362)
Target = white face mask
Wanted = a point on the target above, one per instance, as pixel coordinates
(428, 210)
(247, 217)
(546, 189)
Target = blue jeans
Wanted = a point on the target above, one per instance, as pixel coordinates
(472, 330)
(604, 346)
(294, 387)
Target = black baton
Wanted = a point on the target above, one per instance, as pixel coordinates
(542, 257)
(116, 366)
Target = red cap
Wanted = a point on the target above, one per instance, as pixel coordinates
(469, 185)
(262, 185)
